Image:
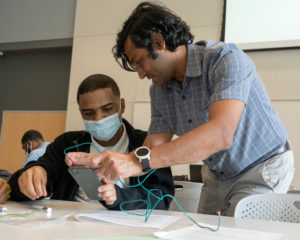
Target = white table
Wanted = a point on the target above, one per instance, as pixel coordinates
(72, 229)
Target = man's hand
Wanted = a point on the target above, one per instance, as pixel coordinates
(107, 191)
(3, 191)
(33, 182)
(112, 165)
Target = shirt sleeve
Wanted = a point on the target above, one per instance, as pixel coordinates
(232, 76)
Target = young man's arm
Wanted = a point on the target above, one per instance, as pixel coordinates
(30, 183)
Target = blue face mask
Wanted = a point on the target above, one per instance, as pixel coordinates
(105, 128)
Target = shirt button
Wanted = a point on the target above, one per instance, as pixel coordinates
(183, 97)
(190, 120)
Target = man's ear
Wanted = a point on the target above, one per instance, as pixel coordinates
(158, 42)
(122, 105)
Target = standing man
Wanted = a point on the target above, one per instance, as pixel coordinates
(210, 95)
(34, 145)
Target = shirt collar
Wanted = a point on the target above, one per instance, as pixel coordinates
(44, 144)
(193, 68)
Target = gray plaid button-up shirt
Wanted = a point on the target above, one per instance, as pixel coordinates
(217, 71)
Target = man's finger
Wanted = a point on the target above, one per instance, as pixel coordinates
(109, 194)
(44, 184)
(104, 180)
(27, 188)
(97, 158)
(38, 188)
(40, 183)
(105, 188)
(78, 159)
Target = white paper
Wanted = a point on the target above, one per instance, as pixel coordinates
(121, 218)
(224, 233)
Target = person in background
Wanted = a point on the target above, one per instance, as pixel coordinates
(101, 108)
(34, 145)
(210, 95)
(4, 186)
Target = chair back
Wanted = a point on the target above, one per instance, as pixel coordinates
(187, 194)
(271, 206)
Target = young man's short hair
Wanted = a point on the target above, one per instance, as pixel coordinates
(32, 135)
(95, 82)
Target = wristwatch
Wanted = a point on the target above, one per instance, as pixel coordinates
(143, 154)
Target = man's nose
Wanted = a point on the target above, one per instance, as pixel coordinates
(141, 73)
(98, 116)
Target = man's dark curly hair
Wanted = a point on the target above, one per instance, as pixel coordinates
(146, 20)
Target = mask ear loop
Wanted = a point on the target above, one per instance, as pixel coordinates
(26, 151)
(28, 148)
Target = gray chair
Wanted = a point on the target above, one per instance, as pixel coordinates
(271, 206)
(187, 194)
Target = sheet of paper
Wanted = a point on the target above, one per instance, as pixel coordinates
(121, 218)
(114, 238)
(224, 233)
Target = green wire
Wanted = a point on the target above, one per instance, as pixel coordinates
(149, 209)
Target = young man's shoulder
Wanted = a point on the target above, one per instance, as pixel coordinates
(129, 127)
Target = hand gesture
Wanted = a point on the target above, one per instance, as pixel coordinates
(112, 165)
(33, 182)
(107, 191)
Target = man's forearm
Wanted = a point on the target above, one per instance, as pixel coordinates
(191, 147)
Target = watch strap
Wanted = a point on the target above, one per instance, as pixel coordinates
(145, 164)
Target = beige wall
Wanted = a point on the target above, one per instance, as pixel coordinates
(96, 25)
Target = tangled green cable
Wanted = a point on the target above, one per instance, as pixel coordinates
(149, 209)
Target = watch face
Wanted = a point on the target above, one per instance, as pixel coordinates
(142, 152)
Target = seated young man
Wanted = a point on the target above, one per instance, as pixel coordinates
(34, 145)
(101, 108)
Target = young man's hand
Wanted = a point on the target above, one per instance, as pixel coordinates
(33, 182)
(107, 191)
(3, 191)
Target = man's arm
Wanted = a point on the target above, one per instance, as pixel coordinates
(214, 136)
(153, 140)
